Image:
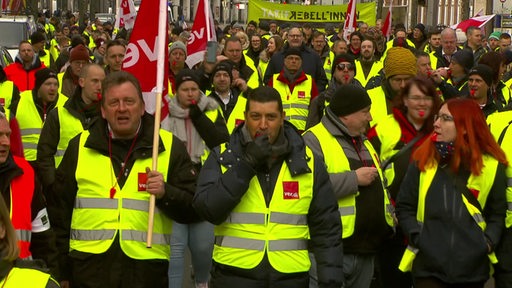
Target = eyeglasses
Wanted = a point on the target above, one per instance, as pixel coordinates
(342, 66)
(417, 98)
(443, 117)
(294, 35)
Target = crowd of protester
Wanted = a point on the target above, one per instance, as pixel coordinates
(417, 193)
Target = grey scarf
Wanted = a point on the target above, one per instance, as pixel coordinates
(180, 124)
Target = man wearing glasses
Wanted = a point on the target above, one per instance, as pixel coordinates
(311, 62)
(78, 57)
(343, 72)
(399, 67)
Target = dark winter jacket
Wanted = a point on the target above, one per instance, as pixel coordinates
(219, 193)
(452, 247)
(311, 64)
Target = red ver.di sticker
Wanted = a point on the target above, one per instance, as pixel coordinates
(141, 183)
(291, 190)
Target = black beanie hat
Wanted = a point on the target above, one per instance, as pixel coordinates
(483, 71)
(292, 51)
(223, 66)
(349, 99)
(43, 75)
(464, 58)
(37, 37)
(186, 75)
(343, 57)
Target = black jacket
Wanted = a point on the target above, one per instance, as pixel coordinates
(50, 133)
(451, 246)
(179, 189)
(311, 64)
(218, 193)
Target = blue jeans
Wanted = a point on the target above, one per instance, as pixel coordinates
(199, 239)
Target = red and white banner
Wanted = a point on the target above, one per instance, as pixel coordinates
(146, 54)
(202, 31)
(350, 20)
(386, 27)
(125, 16)
(478, 21)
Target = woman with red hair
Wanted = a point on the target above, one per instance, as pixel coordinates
(452, 204)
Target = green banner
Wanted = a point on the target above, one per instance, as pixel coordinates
(316, 15)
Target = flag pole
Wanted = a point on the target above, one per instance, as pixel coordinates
(162, 26)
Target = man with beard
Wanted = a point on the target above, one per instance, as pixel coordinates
(33, 109)
(399, 67)
(367, 66)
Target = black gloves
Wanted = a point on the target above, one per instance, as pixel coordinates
(194, 111)
(258, 151)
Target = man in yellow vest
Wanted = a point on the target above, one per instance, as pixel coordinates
(271, 202)
(296, 88)
(228, 91)
(21, 191)
(33, 109)
(100, 198)
(368, 66)
(353, 167)
(343, 71)
(64, 123)
(399, 67)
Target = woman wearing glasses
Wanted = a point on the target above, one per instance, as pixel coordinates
(452, 202)
(395, 138)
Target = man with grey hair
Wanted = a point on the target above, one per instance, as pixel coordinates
(441, 57)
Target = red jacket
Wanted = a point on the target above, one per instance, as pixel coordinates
(23, 79)
(22, 189)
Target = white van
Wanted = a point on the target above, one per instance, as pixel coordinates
(13, 30)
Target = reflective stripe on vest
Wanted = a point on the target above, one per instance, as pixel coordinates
(482, 183)
(69, 127)
(30, 123)
(296, 102)
(337, 162)
(259, 245)
(22, 191)
(97, 219)
(279, 230)
(26, 277)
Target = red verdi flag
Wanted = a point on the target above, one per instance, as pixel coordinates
(386, 27)
(350, 20)
(478, 21)
(203, 30)
(142, 55)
